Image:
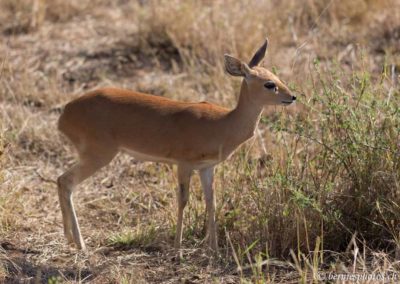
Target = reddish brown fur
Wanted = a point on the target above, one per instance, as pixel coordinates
(126, 119)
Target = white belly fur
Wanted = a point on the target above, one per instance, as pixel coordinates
(144, 157)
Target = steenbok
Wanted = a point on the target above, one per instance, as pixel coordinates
(194, 136)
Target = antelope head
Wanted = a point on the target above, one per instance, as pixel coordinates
(263, 87)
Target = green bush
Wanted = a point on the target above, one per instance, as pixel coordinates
(333, 172)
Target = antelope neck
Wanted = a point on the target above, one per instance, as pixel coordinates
(245, 117)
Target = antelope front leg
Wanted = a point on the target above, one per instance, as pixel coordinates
(207, 177)
(182, 195)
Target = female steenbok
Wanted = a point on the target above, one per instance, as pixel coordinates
(194, 136)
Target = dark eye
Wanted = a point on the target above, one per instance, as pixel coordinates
(270, 85)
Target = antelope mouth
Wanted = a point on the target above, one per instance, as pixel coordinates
(289, 102)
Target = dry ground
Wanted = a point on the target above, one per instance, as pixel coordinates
(52, 51)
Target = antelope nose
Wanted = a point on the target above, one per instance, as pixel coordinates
(293, 98)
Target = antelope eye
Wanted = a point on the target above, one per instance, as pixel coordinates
(270, 85)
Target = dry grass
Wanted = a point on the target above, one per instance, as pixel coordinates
(316, 191)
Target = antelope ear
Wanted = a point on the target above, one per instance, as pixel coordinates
(259, 55)
(235, 67)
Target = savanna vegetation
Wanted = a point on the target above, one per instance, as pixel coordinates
(317, 190)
